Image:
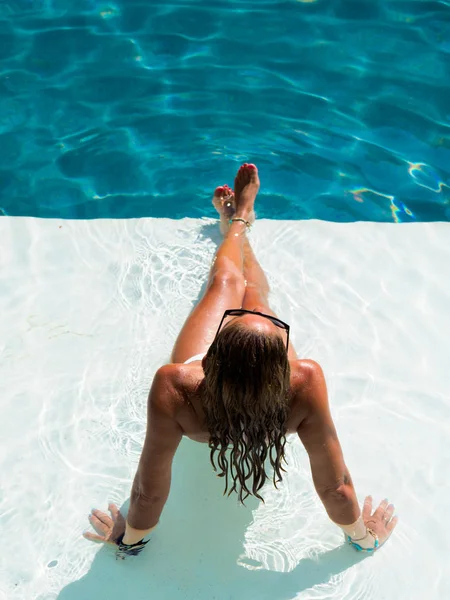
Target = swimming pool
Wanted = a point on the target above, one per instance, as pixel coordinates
(114, 111)
(131, 109)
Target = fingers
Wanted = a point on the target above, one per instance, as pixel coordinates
(93, 537)
(367, 508)
(379, 513)
(114, 511)
(99, 526)
(392, 524)
(389, 512)
(102, 517)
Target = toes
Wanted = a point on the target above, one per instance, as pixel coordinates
(243, 172)
(223, 190)
(248, 170)
(253, 173)
(219, 191)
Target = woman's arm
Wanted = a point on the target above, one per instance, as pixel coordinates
(318, 434)
(152, 481)
(330, 475)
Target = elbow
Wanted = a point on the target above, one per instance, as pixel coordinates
(142, 499)
(340, 493)
(340, 502)
(339, 489)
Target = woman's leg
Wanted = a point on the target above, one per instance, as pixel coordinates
(226, 284)
(256, 295)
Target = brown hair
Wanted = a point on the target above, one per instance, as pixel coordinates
(245, 397)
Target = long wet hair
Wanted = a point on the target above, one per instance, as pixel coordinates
(245, 398)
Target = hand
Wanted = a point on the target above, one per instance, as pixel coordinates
(382, 521)
(109, 529)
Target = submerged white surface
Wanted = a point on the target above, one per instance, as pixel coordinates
(89, 310)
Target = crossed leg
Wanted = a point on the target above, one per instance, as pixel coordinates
(256, 295)
(236, 278)
(226, 284)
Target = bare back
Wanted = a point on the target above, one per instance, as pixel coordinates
(190, 416)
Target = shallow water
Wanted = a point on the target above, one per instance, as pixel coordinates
(91, 309)
(134, 108)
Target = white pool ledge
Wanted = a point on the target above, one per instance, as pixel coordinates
(89, 310)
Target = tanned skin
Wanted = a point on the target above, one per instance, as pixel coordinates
(236, 280)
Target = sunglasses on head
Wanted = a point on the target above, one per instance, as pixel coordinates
(239, 312)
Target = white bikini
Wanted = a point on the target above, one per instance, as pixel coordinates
(194, 358)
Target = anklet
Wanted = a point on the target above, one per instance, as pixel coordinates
(240, 220)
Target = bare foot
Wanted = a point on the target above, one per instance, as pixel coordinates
(246, 186)
(223, 201)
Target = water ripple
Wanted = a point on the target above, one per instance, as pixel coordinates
(193, 86)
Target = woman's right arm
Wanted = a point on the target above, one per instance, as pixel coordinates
(331, 477)
(152, 481)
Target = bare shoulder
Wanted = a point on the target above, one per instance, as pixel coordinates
(308, 387)
(166, 391)
(168, 375)
(306, 373)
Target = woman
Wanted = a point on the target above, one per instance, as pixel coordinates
(236, 383)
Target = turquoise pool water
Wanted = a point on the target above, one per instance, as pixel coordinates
(132, 109)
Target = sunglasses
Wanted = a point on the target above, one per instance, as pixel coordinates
(239, 312)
